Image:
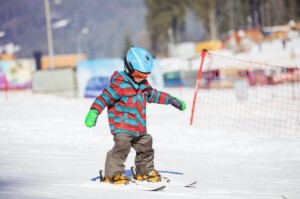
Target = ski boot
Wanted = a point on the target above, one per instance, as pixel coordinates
(152, 176)
(117, 179)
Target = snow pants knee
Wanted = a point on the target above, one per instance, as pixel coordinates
(117, 156)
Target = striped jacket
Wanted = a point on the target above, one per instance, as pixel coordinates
(126, 104)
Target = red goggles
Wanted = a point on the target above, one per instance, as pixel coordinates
(138, 74)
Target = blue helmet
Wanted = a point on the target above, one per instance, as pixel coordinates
(138, 59)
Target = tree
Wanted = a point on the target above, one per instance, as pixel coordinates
(220, 16)
(206, 11)
(161, 16)
(127, 44)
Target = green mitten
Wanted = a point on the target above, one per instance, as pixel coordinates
(177, 103)
(91, 118)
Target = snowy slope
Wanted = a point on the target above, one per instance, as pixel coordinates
(47, 152)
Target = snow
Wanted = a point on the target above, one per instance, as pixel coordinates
(47, 152)
(268, 109)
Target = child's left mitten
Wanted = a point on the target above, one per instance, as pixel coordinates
(177, 103)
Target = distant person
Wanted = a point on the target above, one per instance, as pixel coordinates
(126, 100)
(284, 40)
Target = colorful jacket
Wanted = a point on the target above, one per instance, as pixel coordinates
(126, 102)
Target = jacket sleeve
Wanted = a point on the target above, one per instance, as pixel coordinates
(158, 97)
(108, 97)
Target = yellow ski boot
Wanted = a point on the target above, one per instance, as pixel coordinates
(152, 176)
(117, 179)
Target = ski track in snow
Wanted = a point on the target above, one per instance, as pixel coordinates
(47, 152)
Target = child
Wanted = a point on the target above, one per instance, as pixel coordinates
(126, 100)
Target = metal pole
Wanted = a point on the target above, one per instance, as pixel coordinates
(49, 34)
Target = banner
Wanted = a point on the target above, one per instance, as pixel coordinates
(94, 75)
(17, 74)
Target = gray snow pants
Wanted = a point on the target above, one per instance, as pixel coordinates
(117, 156)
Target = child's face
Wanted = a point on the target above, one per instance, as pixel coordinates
(139, 76)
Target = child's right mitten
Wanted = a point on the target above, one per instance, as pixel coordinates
(91, 118)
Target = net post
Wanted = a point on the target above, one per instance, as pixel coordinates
(5, 88)
(203, 54)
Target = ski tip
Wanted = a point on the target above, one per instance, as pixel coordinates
(191, 184)
(157, 188)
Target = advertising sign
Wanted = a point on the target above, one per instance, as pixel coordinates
(94, 75)
(15, 74)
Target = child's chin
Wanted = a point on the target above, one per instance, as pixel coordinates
(138, 80)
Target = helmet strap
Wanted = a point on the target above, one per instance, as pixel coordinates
(128, 71)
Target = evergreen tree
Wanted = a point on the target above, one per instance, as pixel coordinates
(127, 44)
(162, 16)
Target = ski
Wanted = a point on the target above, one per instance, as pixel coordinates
(151, 186)
(165, 180)
(191, 184)
(182, 184)
(133, 185)
(147, 186)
